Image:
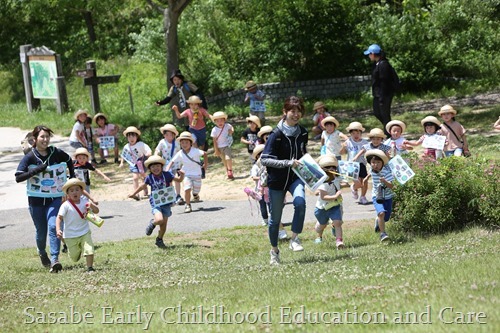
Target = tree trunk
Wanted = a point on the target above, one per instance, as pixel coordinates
(170, 22)
(87, 15)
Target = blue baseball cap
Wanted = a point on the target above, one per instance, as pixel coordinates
(374, 48)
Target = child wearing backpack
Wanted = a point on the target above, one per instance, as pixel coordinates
(190, 159)
(222, 135)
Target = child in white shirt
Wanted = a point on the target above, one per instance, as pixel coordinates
(397, 142)
(190, 158)
(222, 135)
(330, 138)
(76, 234)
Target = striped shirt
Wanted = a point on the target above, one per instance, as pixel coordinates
(384, 173)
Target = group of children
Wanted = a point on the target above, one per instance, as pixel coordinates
(178, 159)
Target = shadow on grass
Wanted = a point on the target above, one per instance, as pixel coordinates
(309, 259)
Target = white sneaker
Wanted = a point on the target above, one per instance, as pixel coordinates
(363, 200)
(354, 192)
(275, 258)
(295, 245)
(282, 234)
(264, 222)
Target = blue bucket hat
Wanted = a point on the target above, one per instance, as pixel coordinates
(374, 48)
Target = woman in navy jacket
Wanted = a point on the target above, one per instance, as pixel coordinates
(285, 146)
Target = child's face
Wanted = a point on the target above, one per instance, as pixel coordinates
(169, 136)
(396, 132)
(376, 164)
(320, 110)
(252, 125)
(81, 118)
(355, 134)
(430, 129)
(330, 128)
(156, 168)
(74, 193)
(252, 90)
(132, 138)
(376, 141)
(194, 106)
(186, 144)
(82, 159)
(101, 122)
(332, 169)
(447, 116)
(220, 122)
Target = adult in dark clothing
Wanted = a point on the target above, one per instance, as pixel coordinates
(284, 147)
(44, 203)
(382, 85)
(179, 93)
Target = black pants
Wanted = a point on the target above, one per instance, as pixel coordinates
(382, 110)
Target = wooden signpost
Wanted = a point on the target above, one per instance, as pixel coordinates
(91, 79)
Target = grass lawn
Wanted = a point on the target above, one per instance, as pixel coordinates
(439, 284)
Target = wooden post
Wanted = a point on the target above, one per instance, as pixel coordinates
(131, 99)
(62, 96)
(31, 102)
(94, 90)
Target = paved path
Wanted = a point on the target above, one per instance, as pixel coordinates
(128, 219)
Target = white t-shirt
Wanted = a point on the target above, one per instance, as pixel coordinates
(354, 147)
(164, 148)
(74, 225)
(332, 142)
(398, 143)
(78, 126)
(330, 188)
(189, 167)
(222, 135)
(140, 149)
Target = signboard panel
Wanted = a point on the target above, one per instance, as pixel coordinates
(43, 72)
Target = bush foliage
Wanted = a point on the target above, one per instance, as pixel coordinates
(447, 195)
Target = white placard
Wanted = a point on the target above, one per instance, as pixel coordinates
(48, 183)
(163, 196)
(258, 106)
(106, 142)
(128, 156)
(349, 170)
(400, 169)
(310, 172)
(434, 142)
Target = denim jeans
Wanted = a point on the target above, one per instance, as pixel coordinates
(44, 218)
(276, 204)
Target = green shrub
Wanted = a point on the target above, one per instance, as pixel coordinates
(447, 195)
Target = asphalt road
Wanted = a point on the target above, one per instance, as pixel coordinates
(128, 219)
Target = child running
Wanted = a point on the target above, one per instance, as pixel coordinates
(381, 189)
(331, 136)
(190, 158)
(431, 129)
(159, 181)
(353, 146)
(82, 167)
(107, 137)
(397, 142)
(250, 134)
(222, 135)
(135, 153)
(376, 137)
(255, 97)
(196, 115)
(456, 142)
(329, 203)
(76, 234)
(167, 148)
